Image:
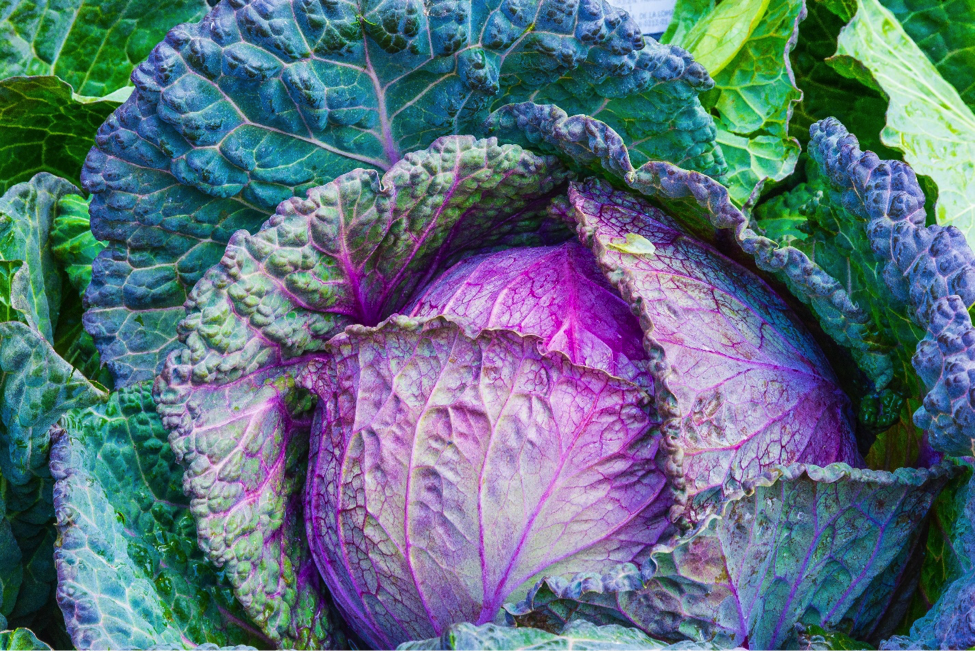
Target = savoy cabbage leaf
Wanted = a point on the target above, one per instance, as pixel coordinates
(943, 31)
(803, 544)
(744, 386)
(130, 574)
(523, 289)
(578, 635)
(927, 119)
(277, 298)
(949, 624)
(44, 127)
(703, 208)
(745, 48)
(91, 45)
(422, 443)
(21, 639)
(197, 152)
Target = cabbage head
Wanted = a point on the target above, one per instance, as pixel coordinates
(456, 323)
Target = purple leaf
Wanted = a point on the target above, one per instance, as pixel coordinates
(739, 381)
(449, 473)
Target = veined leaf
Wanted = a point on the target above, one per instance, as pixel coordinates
(44, 128)
(927, 119)
(90, 44)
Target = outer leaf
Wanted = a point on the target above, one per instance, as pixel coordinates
(945, 32)
(802, 545)
(927, 119)
(827, 93)
(72, 242)
(945, 553)
(556, 293)
(949, 624)
(11, 568)
(198, 151)
(8, 271)
(358, 248)
(21, 639)
(739, 381)
(36, 387)
(130, 574)
(418, 511)
(244, 447)
(27, 212)
(92, 45)
(835, 237)
(745, 46)
(928, 269)
(579, 635)
(44, 127)
(702, 206)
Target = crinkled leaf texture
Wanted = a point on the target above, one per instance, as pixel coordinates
(703, 207)
(450, 470)
(130, 574)
(802, 544)
(930, 270)
(950, 624)
(21, 639)
(557, 293)
(835, 235)
(72, 243)
(44, 127)
(354, 251)
(91, 44)
(265, 99)
(578, 635)
(36, 387)
(740, 383)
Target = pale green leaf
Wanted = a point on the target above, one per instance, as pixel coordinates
(927, 119)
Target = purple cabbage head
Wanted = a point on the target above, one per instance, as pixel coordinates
(503, 430)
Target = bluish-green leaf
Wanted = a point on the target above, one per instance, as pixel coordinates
(259, 103)
(130, 573)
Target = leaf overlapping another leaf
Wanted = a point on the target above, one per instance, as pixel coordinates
(44, 127)
(453, 467)
(803, 544)
(703, 207)
(929, 270)
(354, 251)
(578, 635)
(196, 153)
(130, 574)
(739, 382)
(91, 45)
(927, 119)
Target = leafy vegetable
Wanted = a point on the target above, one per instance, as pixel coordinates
(44, 127)
(251, 106)
(948, 625)
(579, 635)
(802, 544)
(425, 436)
(130, 574)
(744, 387)
(21, 639)
(90, 45)
(556, 293)
(941, 144)
(745, 47)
